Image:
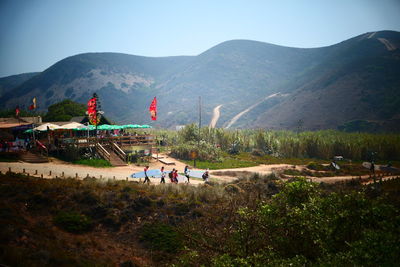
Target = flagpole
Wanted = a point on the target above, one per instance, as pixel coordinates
(199, 119)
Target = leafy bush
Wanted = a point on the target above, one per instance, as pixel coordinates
(64, 111)
(317, 167)
(161, 237)
(73, 222)
(204, 151)
(8, 157)
(301, 225)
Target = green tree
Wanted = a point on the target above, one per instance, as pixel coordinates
(64, 111)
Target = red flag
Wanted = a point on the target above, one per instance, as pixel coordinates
(92, 111)
(17, 111)
(153, 109)
(91, 106)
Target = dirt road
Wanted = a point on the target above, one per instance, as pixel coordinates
(389, 46)
(215, 117)
(65, 169)
(235, 118)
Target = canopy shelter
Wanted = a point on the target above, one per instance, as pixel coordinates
(73, 125)
(135, 126)
(47, 126)
(119, 127)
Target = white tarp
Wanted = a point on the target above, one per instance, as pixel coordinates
(46, 126)
(73, 125)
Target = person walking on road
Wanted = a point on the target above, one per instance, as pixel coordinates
(171, 175)
(146, 177)
(205, 176)
(162, 175)
(187, 173)
(175, 175)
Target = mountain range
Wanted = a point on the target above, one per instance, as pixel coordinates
(255, 85)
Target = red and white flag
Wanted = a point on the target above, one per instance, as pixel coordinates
(153, 109)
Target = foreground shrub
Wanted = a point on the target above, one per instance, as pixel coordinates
(161, 237)
(73, 222)
(303, 225)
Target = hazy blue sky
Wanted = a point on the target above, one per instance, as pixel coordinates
(35, 34)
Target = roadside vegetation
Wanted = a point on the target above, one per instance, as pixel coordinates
(99, 163)
(222, 148)
(254, 221)
(9, 157)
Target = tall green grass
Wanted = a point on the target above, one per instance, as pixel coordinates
(284, 144)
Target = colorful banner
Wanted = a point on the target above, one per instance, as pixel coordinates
(94, 119)
(153, 109)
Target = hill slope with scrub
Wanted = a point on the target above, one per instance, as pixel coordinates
(258, 85)
(255, 221)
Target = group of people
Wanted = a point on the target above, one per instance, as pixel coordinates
(173, 175)
(16, 145)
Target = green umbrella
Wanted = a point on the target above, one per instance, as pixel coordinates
(91, 128)
(104, 127)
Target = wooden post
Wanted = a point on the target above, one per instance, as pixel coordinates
(49, 173)
(113, 177)
(62, 174)
(41, 176)
(36, 172)
(23, 170)
(9, 169)
(76, 175)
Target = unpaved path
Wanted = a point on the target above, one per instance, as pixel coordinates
(389, 45)
(235, 118)
(58, 167)
(371, 35)
(215, 117)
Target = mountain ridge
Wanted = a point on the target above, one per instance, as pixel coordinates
(236, 73)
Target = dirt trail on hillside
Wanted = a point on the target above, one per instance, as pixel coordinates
(371, 35)
(215, 117)
(389, 46)
(237, 117)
